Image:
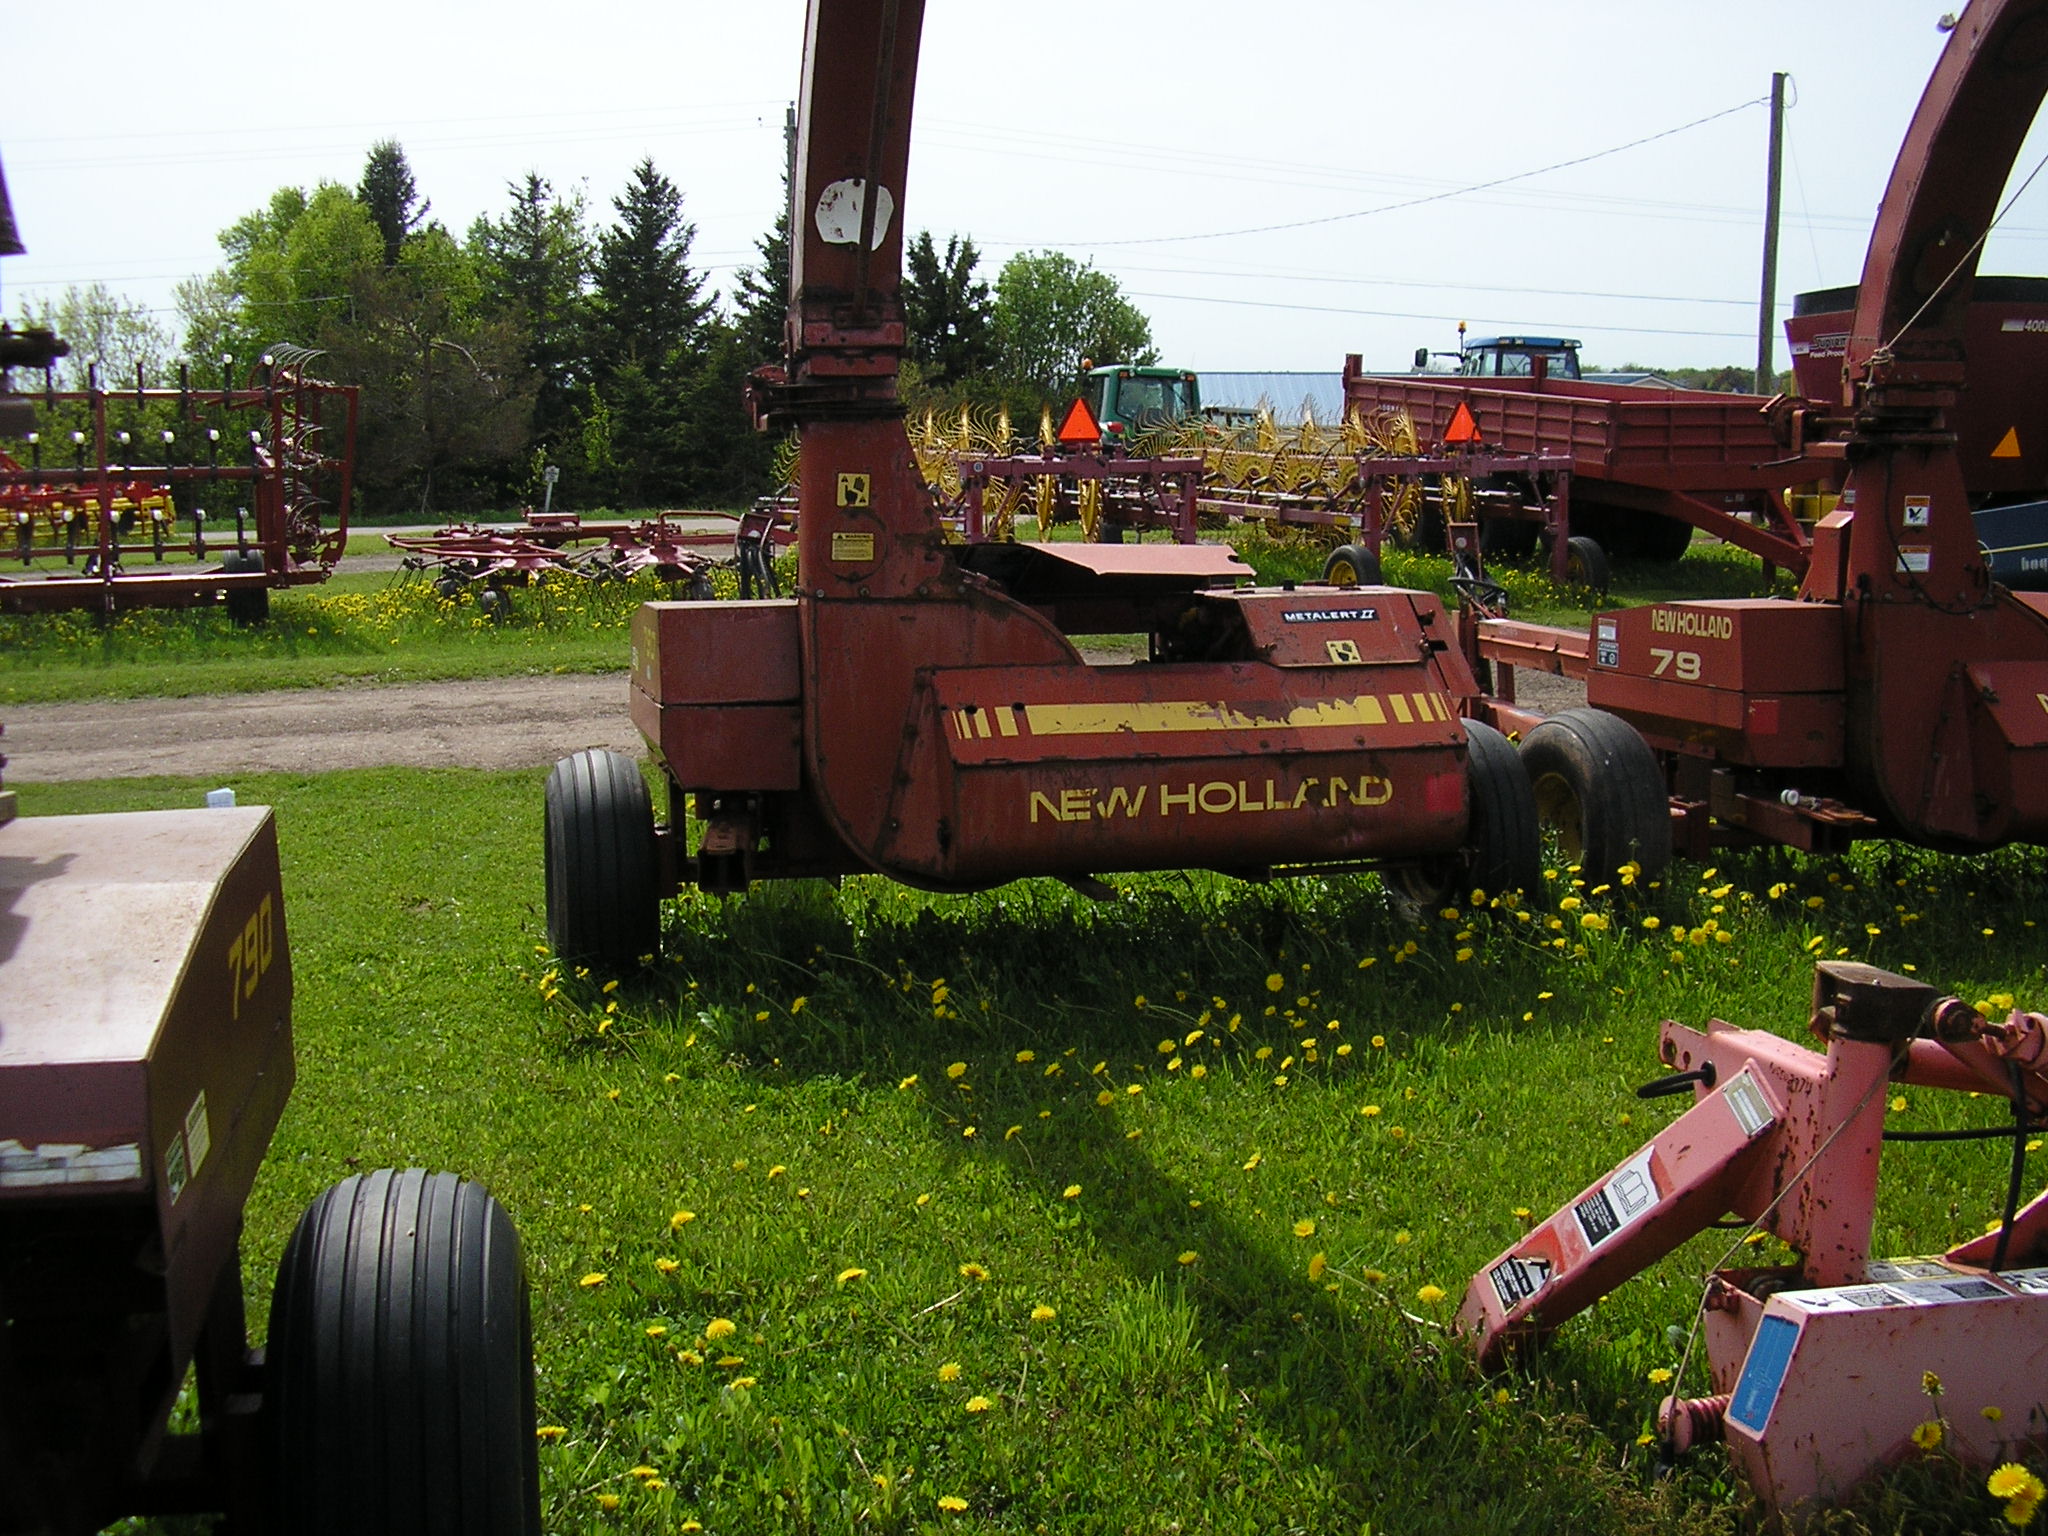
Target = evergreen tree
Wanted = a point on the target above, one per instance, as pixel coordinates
(649, 305)
(649, 338)
(388, 191)
(947, 312)
(761, 292)
(535, 267)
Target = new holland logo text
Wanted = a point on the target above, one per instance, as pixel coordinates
(1683, 621)
(1217, 797)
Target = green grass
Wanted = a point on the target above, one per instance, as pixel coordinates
(787, 1075)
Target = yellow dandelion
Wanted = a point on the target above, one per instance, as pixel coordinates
(1659, 1376)
(1071, 1192)
(607, 1502)
(777, 1171)
(550, 1432)
(643, 1472)
(719, 1328)
(2013, 1481)
(1992, 1412)
(1379, 1042)
(1370, 1111)
(1190, 1257)
(846, 1276)
(1930, 1383)
(957, 1071)
(1025, 1058)
(1275, 982)
(908, 1082)
(979, 1404)
(1317, 1264)
(973, 1271)
(1304, 1228)
(593, 1280)
(952, 1503)
(667, 1266)
(1105, 1098)
(1042, 1313)
(1430, 1295)
(1927, 1435)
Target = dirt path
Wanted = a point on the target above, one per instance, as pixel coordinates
(512, 722)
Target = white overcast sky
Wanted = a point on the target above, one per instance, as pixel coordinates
(1138, 136)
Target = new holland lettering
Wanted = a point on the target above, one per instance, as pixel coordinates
(1214, 797)
(1685, 621)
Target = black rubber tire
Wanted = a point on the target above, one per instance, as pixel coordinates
(1353, 565)
(1585, 563)
(1504, 850)
(399, 1369)
(246, 606)
(1660, 538)
(603, 894)
(1600, 786)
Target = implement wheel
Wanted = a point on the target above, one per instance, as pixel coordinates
(246, 606)
(1585, 563)
(1352, 565)
(1503, 851)
(1598, 784)
(603, 893)
(400, 1365)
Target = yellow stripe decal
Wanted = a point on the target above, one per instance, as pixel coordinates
(1006, 721)
(1401, 709)
(1199, 715)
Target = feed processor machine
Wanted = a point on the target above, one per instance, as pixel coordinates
(1822, 1369)
(920, 708)
(1905, 692)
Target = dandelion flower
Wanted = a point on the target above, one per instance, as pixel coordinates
(667, 1266)
(1379, 1042)
(1071, 1192)
(1929, 1382)
(593, 1280)
(1190, 1257)
(952, 1503)
(719, 1328)
(1275, 982)
(2013, 1481)
(979, 1404)
(550, 1432)
(643, 1472)
(1042, 1313)
(1927, 1435)
(973, 1272)
(607, 1502)
(1659, 1376)
(1317, 1264)
(1025, 1058)
(1430, 1295)
(846, 1275)
(1304, 1228)
(1992, 1412)
(777, 1171)
(908, 1082)
(957, 1071)
(1370, 1111)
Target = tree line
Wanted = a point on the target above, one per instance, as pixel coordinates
(546, 336)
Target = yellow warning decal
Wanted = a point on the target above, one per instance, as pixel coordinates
(2008, 445)
(853, 548)
(854, 490)
(1172, 716)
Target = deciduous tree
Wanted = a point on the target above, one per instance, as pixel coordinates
(1051, 311)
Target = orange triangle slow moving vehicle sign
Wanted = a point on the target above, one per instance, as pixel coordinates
(1080, 425)
(1463, 429)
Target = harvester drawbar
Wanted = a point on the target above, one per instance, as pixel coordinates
(920, 708)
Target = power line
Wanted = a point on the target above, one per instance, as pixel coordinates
(1438, 197)
(1395, 314)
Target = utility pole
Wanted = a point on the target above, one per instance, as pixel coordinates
(1767, 312)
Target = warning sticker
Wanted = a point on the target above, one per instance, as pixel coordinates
(853, 548)
(1606, 644)
(1624, 1199)
(1882, 1270)
(1516, 1280)
(2033, 1281)
(1746, 1101)
(1944, 1292)
(177, 1173)
(1915, 558)
(1917, 509)
(198, 1132)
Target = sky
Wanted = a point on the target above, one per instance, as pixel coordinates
(1275, 184)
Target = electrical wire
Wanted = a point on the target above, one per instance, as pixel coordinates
(1438, 197)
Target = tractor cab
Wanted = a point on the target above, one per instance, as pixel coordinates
(1507, 357)
(1127, 398)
